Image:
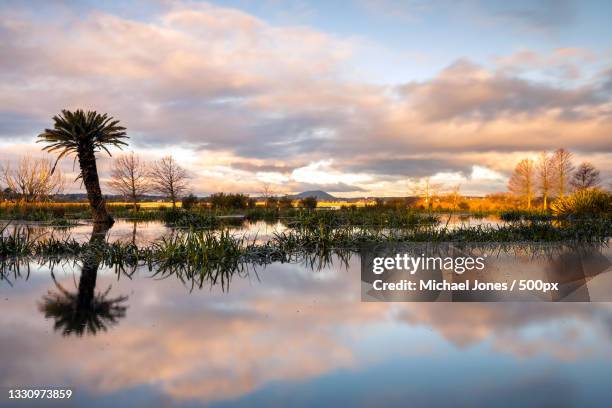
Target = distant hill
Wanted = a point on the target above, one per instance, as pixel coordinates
(318, 194)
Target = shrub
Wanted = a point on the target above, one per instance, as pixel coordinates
(309, 202)
(524, 215)
(464, 206)
(271, 202)
(189, 219)
(592, 202)
(285, 202)
(230, 201)
(189, 202)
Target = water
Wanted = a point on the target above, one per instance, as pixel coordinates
(290, 335)
(142, 232)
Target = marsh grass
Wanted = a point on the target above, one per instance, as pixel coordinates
(205, 256)
(201, 256)
(518, 216)
(361, 217)
(203, 247)
(190, 219)
(199, 217)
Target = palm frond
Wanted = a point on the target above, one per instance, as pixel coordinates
(79, 131)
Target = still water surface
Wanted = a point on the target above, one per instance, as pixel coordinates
(286, 334)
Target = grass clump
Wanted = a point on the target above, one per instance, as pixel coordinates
(19, 242)
(200, 256)
(362, 217)
(190, 219)
(525, 215)
(584, 203)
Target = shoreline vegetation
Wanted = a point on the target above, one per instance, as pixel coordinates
(313, 232)
(201, 257)
(580, 204)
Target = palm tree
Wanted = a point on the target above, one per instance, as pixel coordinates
(84, 133)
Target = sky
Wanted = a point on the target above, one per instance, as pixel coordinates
(356, 98)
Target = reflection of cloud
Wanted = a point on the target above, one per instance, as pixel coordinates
(551, 389)
(511, 326)
(209, 348)
(216, 357)
(292, 325)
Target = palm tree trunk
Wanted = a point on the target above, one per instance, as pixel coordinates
(89, 171)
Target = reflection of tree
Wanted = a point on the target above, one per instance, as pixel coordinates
(84, 311)
(134, 233)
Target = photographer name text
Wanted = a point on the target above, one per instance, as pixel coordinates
(467, 285)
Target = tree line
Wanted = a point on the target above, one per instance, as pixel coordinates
(36, 180)
(551, 175)
(85, 133)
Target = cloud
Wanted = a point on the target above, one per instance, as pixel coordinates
(257, 103)
(539, 15)
(466, 90)
(565, 64)
(330, 188)
(409, 166)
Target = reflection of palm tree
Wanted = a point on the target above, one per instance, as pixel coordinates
(84, 311)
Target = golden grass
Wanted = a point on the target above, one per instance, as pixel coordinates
(337, 204)
(9, 204)
(327, 204)
(438, 203)
(148, 204)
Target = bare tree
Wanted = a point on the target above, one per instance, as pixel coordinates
(521, 182)
(586, 176)
(545, 177)
(454, 196)
(426, 190)
(269, 195)
(169, 179)
(563, 168)
(33, 179)
(267, 191)
(129, 177)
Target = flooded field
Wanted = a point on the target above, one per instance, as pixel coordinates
(286, 334)
(144, 232)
